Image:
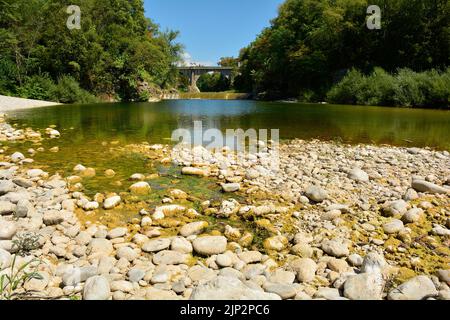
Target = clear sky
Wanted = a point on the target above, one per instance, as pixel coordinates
(211, 29)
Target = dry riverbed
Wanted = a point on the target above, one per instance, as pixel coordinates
(334, 222)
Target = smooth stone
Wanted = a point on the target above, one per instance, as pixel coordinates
(373, 263)
(117, 233)
(22, 208)
(171, 257)
(121, 285)
(5, 259)
(393, 226)
(193, 228)
(335, 248)
(444, 275)
(126, 253)
(75, 275)
(17, 156)
(7, 229)
(425, 186)
(52, 218)
(210, 245)
(417, 288)
(282, 277)
(100, 246)
(413, 215)
(285, 291)
(156, 245)
(112, 202)
(364, 286)
(224, 260)
(358, 175)
(6, 186)
(97, 288)
(231, 187)
(228, 288)
(250, 256)
(355, 260)
(7, 208)
(276, 243)
(136, 275)
(194, 171)
(140, 188)
(181, 244)
(305, 269)
(316, 193)
(395, 208)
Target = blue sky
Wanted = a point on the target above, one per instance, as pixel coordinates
(211, 29)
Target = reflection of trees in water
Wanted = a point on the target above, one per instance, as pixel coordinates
(155, 122)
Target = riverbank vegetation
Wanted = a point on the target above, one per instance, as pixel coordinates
(118, 54)
(312, 45)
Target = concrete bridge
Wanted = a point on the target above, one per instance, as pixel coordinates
(194, 73)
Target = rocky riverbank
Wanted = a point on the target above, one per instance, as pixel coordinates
(338, 222)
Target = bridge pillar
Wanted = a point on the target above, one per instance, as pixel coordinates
(195, 75)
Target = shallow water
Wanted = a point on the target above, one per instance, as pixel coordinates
(154, 122)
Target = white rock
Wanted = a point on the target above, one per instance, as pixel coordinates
(7, 229)
(393, 226)
(417, 288)
(226, 288)
(193, 228)
(96, 288)
(181, 244)
(358, 175)
(112, 202)
(5, 259)
(305, 268)
(365, 286)
(210, 245)
(425, 186)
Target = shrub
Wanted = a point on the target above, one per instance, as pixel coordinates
(345, 91)
(68, 90)
(405, 88)
(39, 87)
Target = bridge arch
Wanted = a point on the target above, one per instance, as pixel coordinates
(193, 74)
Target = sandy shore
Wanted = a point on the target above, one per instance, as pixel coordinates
(11, 103)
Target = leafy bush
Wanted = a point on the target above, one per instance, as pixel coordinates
(68, 90)
(405, 88)
(39, 87)
(214, 82)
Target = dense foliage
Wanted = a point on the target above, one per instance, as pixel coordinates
(313, 44)
(117, 54)
(404, 88)
(213, 82)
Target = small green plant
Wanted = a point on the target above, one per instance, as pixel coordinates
(26, 242)
(10, 282)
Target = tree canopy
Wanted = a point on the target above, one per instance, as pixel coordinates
(312, 44)
(118, 52)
